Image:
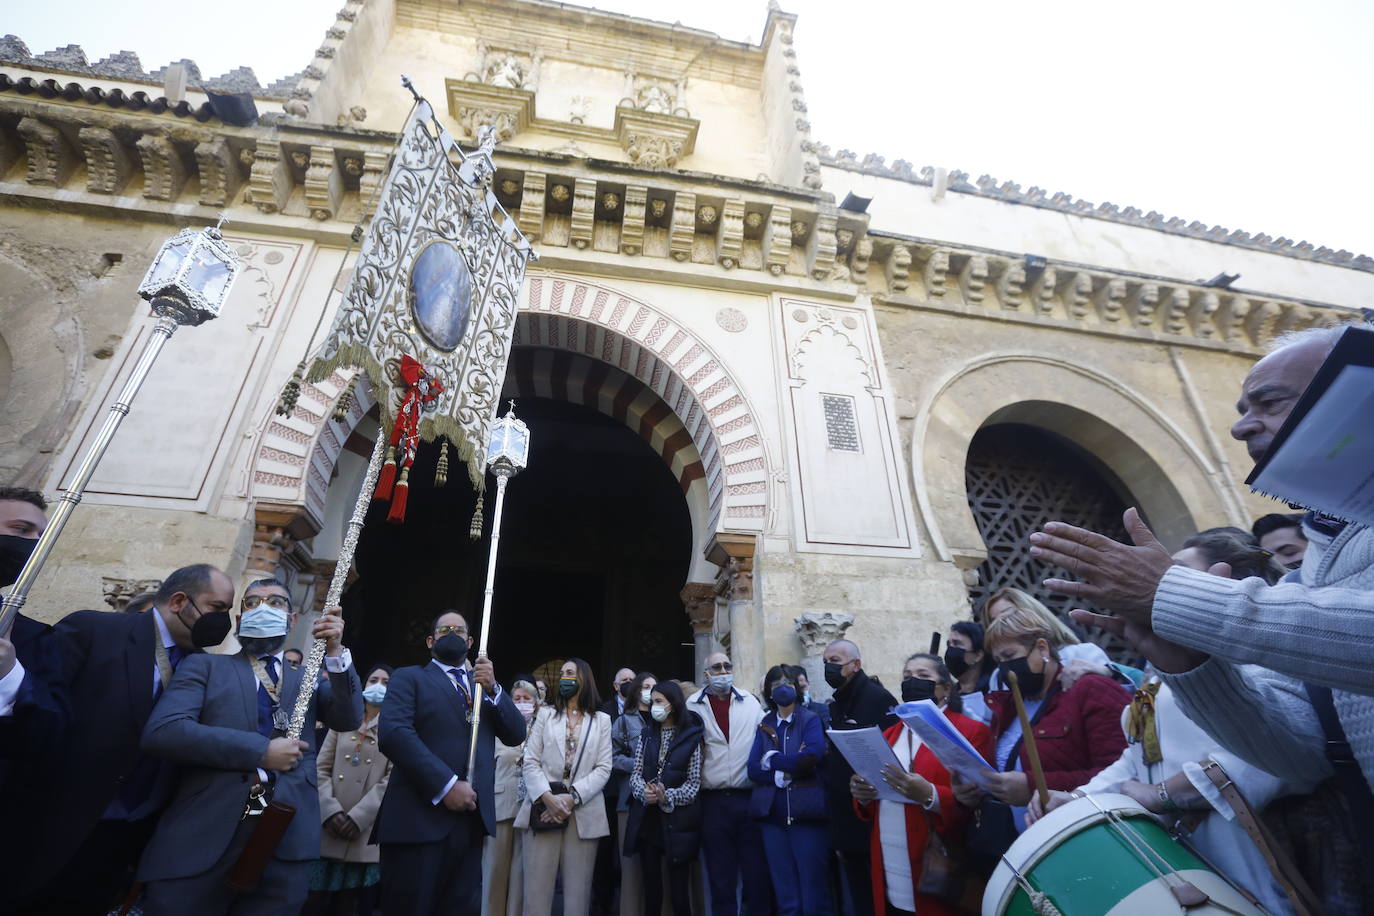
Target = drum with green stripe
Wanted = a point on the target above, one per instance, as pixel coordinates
(1087, 863)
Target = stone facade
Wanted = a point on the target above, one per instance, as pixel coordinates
(809, 341)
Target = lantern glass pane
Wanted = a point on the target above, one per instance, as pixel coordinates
(208, 275)
(168, 262)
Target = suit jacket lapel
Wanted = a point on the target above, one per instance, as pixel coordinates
(139, 663)
(248, 689)
(445, 682)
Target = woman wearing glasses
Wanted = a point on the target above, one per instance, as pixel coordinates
(789, 800)
(567, 763)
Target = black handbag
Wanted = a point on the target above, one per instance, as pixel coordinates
(537, 807)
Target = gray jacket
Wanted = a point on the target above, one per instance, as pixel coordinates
(207, 722)
(624, 744)
(1319, 630)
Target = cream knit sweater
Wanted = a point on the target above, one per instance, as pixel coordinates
(1320, 630)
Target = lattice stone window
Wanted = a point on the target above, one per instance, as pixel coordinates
(1019, 477)
(841, 426)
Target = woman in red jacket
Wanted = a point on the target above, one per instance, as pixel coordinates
(898, 838)
(1077, 731)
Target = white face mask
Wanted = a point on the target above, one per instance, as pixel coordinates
(660, 713)
(526, 709)
(374, 694)
(646, 697)
(721, 683)
(264, 621)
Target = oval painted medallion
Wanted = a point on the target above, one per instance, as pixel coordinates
(441, 294)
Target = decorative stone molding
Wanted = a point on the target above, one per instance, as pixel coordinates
(270, 181)
(277, 530)
(655, 139)
(323, 183)
(108, 163)
(654, 94)
(220, 172)
(730, 236)
(164, 173)
(734, 554)
(530, 216)
(632, 226)
(583, 212)
(50, 157)
(119, 592)
(818, 629)
(509, 110)
(699, 600)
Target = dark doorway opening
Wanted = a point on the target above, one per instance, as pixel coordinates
(595, 547)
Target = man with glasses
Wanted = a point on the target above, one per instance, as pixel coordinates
(97, 796)
(435, 813)
(731, 843)
(223, 720)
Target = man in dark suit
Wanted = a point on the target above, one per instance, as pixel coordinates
(222, 721)
(435, 813)
(32, 706)
(859, 702)
(92, 801)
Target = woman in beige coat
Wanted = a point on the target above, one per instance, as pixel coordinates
(503, 879)
(352, 774)
(567, 763)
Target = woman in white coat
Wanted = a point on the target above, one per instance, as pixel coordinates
(567, 763)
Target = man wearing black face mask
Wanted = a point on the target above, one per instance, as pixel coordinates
(859, 702)
(435, 814)
(99, 796)
(32, 705)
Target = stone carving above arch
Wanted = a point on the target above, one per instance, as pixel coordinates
(646, 343)
(295, 455)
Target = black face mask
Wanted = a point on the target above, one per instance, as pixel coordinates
(208, 629)
(1031, 684)
(956, 661)
(833, 677)
(451, 649)
(14, 553)
(917, 688)
(625, 689)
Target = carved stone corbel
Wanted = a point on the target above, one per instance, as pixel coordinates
(220, 172)
(583, 213)
(508, 109)
(632, 224)
(897, 270)
(936, 273)
(277, 530)
(108, 163)
(654, 138)
(730, 234)
(323, 183)
(164, 174)
(1011, 285)
(777, 240)
(684, 226)
(51, 158)
(973, 279)
(530, 216)
(820, 250)
(1146, 303)
(269, 183)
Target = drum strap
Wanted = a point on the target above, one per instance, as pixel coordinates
(1305, 902)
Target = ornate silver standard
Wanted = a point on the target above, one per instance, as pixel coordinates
(188, 283)
(428, 318)
(507, 455)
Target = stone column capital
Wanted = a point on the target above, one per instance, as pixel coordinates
(818, 629)
(699, 600)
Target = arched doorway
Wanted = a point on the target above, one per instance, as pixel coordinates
(1018, 477)
(595, 545)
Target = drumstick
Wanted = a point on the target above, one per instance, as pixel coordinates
(1036, 772)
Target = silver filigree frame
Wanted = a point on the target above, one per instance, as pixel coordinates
(434, 191)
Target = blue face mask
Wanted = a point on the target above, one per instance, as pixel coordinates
(263, 621)
(784, 695)
(374, 694)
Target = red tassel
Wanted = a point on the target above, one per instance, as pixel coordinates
(397, 515)
(387, 478)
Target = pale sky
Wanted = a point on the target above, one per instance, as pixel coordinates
(1248, 113)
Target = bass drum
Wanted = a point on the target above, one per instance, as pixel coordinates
(1101, 855)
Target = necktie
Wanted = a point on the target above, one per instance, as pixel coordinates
(265, 706)
(175, 655)
(460, 681)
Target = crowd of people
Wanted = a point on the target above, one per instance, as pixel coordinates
(142, 774)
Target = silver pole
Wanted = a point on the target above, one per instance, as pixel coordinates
(162, 332)
(315, 657)
(486, 613)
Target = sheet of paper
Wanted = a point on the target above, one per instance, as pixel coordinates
(868, 752)
(1327, 462)
(946, 742)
